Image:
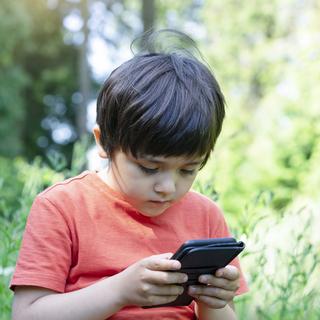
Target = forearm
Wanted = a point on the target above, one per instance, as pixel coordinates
(96, 302)
(205, 313)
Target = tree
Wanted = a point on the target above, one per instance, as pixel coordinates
(39, 78)
(16, 23)
(148, 14)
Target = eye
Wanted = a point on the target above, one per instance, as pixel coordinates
(148, 170)
(188, 171)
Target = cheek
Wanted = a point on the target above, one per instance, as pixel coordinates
(135, 191)
(185, 185)
(138, 187)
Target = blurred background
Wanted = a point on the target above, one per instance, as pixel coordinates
(264, 173)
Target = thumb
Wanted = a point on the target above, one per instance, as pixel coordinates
(166, 255)
(162, 262)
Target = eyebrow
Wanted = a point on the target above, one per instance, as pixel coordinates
(157, 161)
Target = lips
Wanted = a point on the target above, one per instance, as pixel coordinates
(161, 202)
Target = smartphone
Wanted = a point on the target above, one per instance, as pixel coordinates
(203, 256)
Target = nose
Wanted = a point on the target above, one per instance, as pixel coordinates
(166, 184)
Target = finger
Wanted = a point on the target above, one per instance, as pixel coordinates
(213, 292)
(229, 272)
(211, 301)
(155, 300)
(162, 277)
(167, 290)
(223, 283)
(161, 263)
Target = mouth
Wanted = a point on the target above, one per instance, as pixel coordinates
(160, 203)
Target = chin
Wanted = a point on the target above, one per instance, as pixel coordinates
(152, 213)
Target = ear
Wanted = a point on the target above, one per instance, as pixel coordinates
(97, 133)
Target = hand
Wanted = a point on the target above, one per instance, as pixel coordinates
(218, 289)
(147, 282)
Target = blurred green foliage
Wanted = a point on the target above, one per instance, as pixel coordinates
(39, 75)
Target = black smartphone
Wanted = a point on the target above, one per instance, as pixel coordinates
(203, 256)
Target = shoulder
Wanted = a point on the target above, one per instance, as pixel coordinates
(70, 192)
(64, 200)
(72, 182)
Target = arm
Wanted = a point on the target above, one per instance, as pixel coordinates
(144, 283)
(225, 313)
(93, 302)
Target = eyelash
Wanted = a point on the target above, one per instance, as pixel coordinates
(151, 171)
(188, 172)
(148, 170)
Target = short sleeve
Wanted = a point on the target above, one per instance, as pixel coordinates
(219, 229)
(45, 254)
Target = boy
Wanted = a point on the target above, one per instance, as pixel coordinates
(97, 245)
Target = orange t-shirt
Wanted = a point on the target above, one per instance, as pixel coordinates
(80, 231)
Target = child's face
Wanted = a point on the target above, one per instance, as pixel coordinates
(152, 184)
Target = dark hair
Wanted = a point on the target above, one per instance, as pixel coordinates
(161, 104)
